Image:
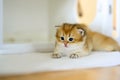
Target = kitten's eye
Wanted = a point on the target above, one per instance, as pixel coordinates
(70, 39)
(62, 38)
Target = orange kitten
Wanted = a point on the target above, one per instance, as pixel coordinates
(76, 40)
(71, 40)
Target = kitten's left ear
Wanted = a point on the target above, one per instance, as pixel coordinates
(81, 31)
(57, 26)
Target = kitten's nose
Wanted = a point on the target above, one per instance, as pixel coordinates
(65, 43)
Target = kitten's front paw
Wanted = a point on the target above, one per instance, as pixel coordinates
(74, 56)
(56, 55)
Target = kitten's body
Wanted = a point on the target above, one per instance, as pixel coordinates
(101, 42)
(83, 42)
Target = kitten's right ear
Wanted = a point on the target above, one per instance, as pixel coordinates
(81, 31)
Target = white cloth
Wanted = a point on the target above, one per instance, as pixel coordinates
(40, 62)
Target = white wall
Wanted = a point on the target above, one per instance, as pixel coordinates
(61, 11)
(25, 21)
(34, 20)
(1, 22)
(103, 20)
(118, 18)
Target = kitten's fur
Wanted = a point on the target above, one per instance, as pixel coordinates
(82, 43)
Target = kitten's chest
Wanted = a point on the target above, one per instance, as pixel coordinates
(70, 49)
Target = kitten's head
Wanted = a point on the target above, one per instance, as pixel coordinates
(71, 33)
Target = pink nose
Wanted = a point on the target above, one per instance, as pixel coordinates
(65, 43)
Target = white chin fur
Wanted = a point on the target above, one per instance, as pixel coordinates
(71, 48)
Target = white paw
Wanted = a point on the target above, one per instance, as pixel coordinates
(55, 55)
(74, 56)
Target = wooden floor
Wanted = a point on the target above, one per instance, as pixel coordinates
(110, 73)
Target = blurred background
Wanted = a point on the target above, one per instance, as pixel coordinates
(34, 21)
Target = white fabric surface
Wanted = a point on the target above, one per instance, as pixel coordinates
(39, 62)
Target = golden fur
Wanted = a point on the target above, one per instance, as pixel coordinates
(83, 41)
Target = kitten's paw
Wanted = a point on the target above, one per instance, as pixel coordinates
(74, 56)
(56, 55)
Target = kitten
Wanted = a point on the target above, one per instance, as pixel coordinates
(71, 40)
(76, 40)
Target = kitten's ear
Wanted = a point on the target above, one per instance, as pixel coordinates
(81, 31)
(57, 26)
